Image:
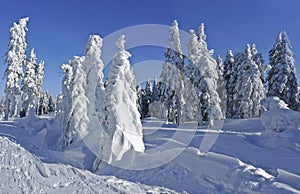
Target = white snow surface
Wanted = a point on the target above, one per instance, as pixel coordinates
(23, 172)
(30, 161)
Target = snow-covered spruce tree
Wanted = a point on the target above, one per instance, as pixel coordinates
(205, 106)
(47, 105)
(190, 109)
(145, 96)
(122, 116)
(258, 59)
(51, 104)
(77, 122)
(157, 108)
(229, 77)
(155, 90)
(64, 107)
(208, 75)
(93, 66)
(249, 87)
(282, 80)
(29, 89)
(149, 91)
(39, 71)
(171, 73)
(192, 69)
(191, 80)
(221, 85)
(139, 101)
(44, 103)
(15, 59)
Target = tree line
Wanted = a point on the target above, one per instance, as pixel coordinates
(207, 87)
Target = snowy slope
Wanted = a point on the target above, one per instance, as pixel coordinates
(237, 162)
(21, 172)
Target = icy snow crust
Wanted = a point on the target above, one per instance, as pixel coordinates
(238, 162)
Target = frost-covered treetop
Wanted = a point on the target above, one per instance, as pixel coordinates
(202, 39)
(193, 51)
(94, 45)
(121, 45)
(253, 49)
(121, 42)
(248, 51)
(281, 50)
(229, 53)
(20, 28)
(23, 21)
(201, 33)
(174, 38)
(282, 36)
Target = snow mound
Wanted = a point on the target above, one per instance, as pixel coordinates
(282, 126)
(22, 172)
(278, 117)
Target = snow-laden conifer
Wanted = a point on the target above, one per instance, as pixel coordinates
(93, 67)
(15, 59)
(282, 80)
(208, 79)
(124, 128)
(172, 70)
(40, 68)
(249, 87)
(77, 121)
(29, 89)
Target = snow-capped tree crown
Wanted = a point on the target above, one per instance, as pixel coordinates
(174, 38)
(202, 38)
(193, 50)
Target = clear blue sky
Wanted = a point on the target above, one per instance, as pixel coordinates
(59, 29)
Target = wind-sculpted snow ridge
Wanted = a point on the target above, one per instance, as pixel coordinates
(22, 172)
(212, 173)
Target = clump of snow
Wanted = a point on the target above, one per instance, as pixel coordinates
(278, 117)
(281, 123)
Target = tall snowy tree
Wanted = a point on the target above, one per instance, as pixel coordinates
(209, 77)
(39, 71)
(149, 91)
(230, 76)
(15, 59)
(249, 87)
(190, 109)
(65, 98)
(258, 59)
(173, 67)
(124, 128)
(77, 117)
(282, 80)
(93, 66)
(221, 85)
(156, 90)
(192, 70)
(29, 89)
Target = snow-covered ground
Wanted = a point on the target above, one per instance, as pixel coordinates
(239, 161)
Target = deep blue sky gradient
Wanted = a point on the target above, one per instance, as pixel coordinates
(59, 29)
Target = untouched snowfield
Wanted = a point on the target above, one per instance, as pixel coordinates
(239, 161)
